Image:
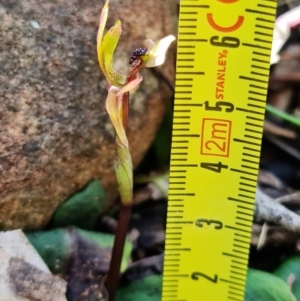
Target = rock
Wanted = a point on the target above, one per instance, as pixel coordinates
(81, 257)
(23, 274)
(55, 134)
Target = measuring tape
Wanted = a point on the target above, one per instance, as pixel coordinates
(221, 85)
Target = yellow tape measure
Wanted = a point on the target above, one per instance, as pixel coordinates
(221, 84)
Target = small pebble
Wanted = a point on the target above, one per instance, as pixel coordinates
(34, 24)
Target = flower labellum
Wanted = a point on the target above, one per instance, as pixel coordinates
(157, 52)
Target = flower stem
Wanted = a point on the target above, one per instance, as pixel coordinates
(113, 275)
(123, 157)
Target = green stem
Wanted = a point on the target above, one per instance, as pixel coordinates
(283, 115)
(113, 275)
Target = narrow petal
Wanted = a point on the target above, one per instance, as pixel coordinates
(108, 48)
(102, 23)
(131, 85)
(113, 107)
(157, 54)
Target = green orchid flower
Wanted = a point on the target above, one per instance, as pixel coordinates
(118, 93)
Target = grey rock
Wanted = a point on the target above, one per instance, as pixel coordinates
(23, 274)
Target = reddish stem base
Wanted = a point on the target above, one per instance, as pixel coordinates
(113, 275)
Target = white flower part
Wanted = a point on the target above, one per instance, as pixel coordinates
(156, 56)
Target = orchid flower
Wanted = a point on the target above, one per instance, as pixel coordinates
(118, 92)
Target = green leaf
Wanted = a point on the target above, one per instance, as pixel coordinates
(124, 173)
(288, 268)
(147, 289)
(262, 286)
(81, 209)
(57, 247)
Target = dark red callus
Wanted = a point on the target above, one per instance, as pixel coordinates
(136, 54)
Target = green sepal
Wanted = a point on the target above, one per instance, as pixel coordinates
(102, 23)
(108, 47)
